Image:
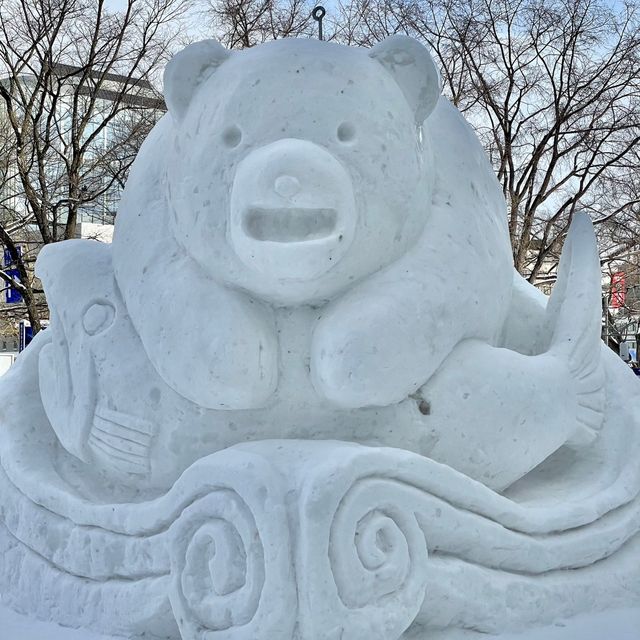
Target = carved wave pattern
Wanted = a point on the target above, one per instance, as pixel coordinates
(279, 539)
(224, 582)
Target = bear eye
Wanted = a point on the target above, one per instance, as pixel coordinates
(346, 132)
(232, 136)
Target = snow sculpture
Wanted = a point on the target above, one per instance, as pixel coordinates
(304, 395)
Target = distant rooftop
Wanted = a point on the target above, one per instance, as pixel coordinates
(153, 99)
(148, 97)
(71, 70)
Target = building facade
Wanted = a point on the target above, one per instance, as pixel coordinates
(82, 143)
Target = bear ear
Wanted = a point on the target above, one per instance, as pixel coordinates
(413, 69)
(187, 70)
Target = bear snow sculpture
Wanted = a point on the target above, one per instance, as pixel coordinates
(290, 177)
(311, 244)
(311, 255)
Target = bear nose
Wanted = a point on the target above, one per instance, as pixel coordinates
(286, 186)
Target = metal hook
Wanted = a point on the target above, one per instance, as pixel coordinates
(318, 14)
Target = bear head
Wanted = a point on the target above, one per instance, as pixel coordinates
(300, 166)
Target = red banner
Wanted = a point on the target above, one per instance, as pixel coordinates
(618, 290)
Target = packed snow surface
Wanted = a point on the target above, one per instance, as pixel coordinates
(304, 393)
(623, 624)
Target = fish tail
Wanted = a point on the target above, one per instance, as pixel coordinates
(573, 325)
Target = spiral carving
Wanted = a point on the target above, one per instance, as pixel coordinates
(221, 567)
(378, 552)
(230, 566)
(376, 559)
(383, 555)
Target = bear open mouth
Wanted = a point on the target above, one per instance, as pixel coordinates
(289, 224)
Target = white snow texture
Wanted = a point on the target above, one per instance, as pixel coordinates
(304, 394)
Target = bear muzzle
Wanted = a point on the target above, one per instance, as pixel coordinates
(293, 212)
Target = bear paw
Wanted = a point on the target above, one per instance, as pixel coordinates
(356, 360)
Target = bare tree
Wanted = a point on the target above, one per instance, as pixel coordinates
(240, 24)
(552, 87)
(76, 100)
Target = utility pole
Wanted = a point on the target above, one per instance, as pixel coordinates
(605, 315)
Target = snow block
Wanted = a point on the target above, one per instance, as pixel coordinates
(304, 395)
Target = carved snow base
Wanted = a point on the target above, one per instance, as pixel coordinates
(281, 539)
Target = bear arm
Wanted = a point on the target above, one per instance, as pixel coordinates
(214, 346)
(386, 337)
